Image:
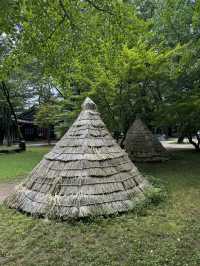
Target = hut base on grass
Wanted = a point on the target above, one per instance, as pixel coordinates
(145, 158)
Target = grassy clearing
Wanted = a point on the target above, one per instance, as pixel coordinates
(16, 165)
(167, 234)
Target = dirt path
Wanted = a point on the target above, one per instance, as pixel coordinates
(174, 146)
(5, 190)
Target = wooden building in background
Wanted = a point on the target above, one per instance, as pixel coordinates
(30, 130)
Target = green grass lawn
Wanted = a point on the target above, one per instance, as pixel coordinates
(16, 165)
(167, 234)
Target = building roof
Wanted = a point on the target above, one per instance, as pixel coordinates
(28, 115)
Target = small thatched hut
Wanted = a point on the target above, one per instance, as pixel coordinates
(85, 174)
(142, 146)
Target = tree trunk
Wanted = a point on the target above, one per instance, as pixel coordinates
(22, 144)
(122, 141)
(196, 145)
(8, 138)
(181, 138)
(49, 135)
(1, 137)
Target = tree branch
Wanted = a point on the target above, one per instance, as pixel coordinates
(65, 16)
(61, 94)
(56, 28)
(98, 8)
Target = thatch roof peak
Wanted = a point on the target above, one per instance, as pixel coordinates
(139, 124)
(88, 104)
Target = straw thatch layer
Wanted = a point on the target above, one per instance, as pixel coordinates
(85, 174)
(142, 145)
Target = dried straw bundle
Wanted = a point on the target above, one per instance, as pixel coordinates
(142, 146)
(85, 174)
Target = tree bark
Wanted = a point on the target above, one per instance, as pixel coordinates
(49, 135)
(8, 138)
(1, 136)
(181, 139)
(122, 141)
(196, 145)
(6, 93)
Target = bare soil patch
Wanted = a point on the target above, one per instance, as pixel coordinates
(6, 189)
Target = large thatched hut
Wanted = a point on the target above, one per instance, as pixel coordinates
(142, 146)
(85, 174)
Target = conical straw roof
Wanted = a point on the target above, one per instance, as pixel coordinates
(142, 145)
(85, 174)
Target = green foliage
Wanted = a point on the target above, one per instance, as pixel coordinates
(46, 115)
(155, 195)
(172, 22)
(129, 56)
(134, 84)
(9, 15)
